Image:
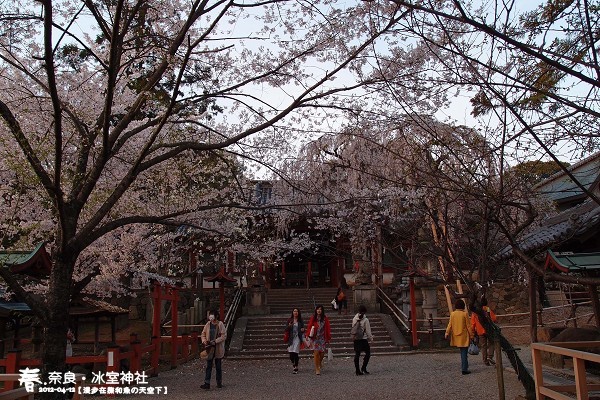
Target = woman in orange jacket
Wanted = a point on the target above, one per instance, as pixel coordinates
(460, 332)
(486, 342)
(318, 331)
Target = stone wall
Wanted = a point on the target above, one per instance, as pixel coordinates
(508, 298)
(138, 306)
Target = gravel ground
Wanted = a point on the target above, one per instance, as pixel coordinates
(412, 375)
(406, 376)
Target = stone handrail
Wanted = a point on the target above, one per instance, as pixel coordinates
(394, 309)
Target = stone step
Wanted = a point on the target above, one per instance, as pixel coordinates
(268, 331)
(292, 298)
(306, 316)
(278, 344)
(339, 347)
(279, 329)
(262, 336)
(286, 306)
(285, 300)
(276, 330)
(306, 312)
(303, 291)
(279, 323)
(307, 355)
(334, 322)
(288, 299)
(342, 338)
(379, 334)
(338, 351)
(302, 295)
(333, 316)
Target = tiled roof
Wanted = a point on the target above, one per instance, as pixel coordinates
(570, 223)
(560, 187)
(89, 307)
(86, 307)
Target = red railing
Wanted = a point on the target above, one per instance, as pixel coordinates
(186, 347)
(182, 347)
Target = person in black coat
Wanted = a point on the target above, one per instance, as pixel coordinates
(294, 332)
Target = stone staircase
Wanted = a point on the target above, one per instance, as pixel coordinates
(282, 301)
(258, 337)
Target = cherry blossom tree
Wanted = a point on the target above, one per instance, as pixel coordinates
(413, 175)
(123, 114)
(531, 72)
(531, 67)
(531, 75)
(436, 187)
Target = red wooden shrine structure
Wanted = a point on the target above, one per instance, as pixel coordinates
(141, 357)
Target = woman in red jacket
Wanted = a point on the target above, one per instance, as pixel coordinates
(318, 331)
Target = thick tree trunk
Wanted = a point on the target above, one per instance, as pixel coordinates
(56, 323)
(593, 291)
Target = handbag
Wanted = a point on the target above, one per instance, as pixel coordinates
(208, 351)
(286, 336)
(473, 349)
(307, 343)
(334, 304)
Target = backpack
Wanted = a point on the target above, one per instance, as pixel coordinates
(358, 331)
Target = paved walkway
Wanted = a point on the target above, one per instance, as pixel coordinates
(406, 376)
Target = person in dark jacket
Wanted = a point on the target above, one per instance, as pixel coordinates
(295, 334)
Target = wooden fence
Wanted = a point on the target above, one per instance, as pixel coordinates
(440, 322)
(581, 386)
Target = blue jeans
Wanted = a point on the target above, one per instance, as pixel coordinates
(464, 361)
(209, 364)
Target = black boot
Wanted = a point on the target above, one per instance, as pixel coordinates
(356, 366)
(364, 370)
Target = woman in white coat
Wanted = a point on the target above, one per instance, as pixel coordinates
(361, 332)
